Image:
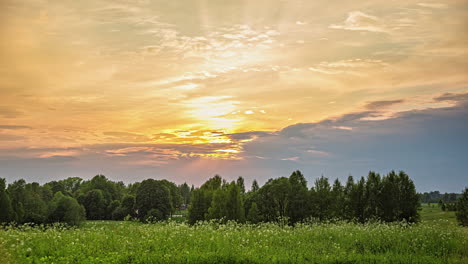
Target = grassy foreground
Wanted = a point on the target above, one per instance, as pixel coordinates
(432, 241)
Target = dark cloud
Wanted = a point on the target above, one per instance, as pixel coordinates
(9, 113)
(377, 105)
(7, 137)
(458, 97)
(248, 135)
(431, 145)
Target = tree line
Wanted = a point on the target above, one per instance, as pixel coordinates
(388, 198)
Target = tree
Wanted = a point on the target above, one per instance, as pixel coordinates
(234, 203)
(348, 206)
(409, 200)
(95, 204)
(298, 208)
(197, 208)
(389, 198)
(201, 199)
(6, 210)
(65, 209)
(253, 215)
(462, 208)
(176, 197)
(126, 208)
(372, 196)
(273, 199)
(323, 198)
(185, 192)
(337, 199)
(255, 186)
(218, 208)
(35, 208)
(17, 193)
(240, 183)
(153, 194)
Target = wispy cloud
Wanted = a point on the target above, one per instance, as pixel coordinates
(360, 21)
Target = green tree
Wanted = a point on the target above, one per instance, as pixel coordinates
(255, 186)
(241, 184)
(197, 208)
(462, 208)
(323, 198)
(348, 205)
(273, 199)
(201, 199)
(298, 208)
(389, 200)
(35, 208)
(409, 200)
(17, 192)
(372, 196)
(218, 208)
(185, 192)
(153, 194)
(65, 209)
(6, 210)
(253, 215)
(234, 203)
(95, 204)
(337, 200)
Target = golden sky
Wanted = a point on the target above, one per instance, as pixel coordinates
(184, 78)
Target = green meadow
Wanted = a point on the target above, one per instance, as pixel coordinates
(437, 239)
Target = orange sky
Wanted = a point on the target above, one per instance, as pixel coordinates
(76, 74)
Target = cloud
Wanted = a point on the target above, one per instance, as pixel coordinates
(14, 127)
(127, 137)
(433, 5)
(457, 97)
(7, 137)
(9, 113)
(360, 21)
(249, 135)
(377, 105)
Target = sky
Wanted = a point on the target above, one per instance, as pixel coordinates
(184, 90)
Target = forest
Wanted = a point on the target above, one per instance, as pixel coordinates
(386, 198)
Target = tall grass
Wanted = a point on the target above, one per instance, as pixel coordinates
(210, 242)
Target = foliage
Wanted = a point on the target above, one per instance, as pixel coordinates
(211, 242)
(462, 208)
(153, 195)
(66, 209)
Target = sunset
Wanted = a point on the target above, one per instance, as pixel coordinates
(233, 131)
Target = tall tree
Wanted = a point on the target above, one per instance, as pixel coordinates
(409, 200)
(372, 196)
(337, 200)
(389, 200)
(323, 198)
(298, 208)
(462, 208)
(241, 184)
(185, 192)
(255, 186)
(6, 210)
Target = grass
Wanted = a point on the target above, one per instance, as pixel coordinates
(436, 240)
(432, 212)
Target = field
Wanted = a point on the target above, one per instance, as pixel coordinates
(436, 240)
